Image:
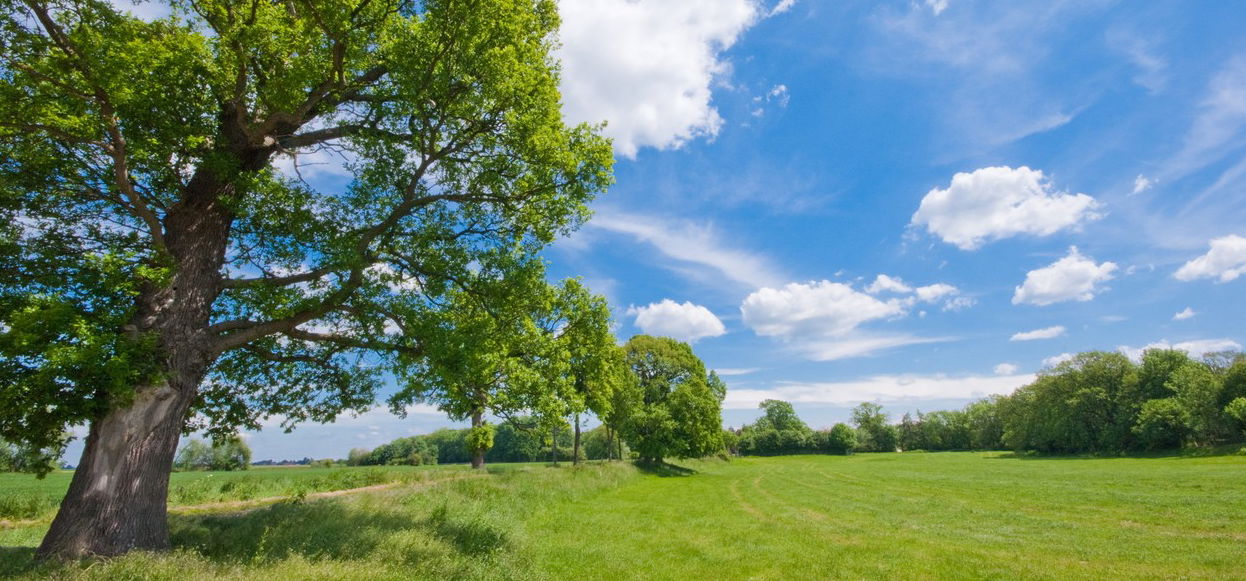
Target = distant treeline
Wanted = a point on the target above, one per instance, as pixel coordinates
(1097, 402)
(517, 440)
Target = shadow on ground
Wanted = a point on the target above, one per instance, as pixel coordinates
(331, 530)
(664, 469)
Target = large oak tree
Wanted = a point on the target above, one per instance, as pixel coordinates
(159, 269)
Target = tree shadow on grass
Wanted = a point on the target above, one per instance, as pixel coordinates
(1184, 453)
(16, 560)
(330, 529)
(664, 469)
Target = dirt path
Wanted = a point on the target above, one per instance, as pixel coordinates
(254, 503)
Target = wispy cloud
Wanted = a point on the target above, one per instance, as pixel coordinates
(692, 243)
(880, 388)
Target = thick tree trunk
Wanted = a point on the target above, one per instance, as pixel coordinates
(575, 456)
(478, 455)
(117, 500)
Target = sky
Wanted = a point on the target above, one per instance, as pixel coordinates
(911, 203)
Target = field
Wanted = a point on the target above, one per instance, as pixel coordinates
(912, 515)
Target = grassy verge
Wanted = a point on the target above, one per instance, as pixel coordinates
(23, 497)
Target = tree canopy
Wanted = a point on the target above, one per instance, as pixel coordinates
(674, 413)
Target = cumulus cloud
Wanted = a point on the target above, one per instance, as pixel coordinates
(881, 388)
(1196, 348)
(1072, 278)
(1225, 261)
(886, 283)
(1055, 360)
(993, 203)
(1047, 333)
(1188, 313)
(689, 242)
(1142, 184)
(647, 67)
(822, 319)
(1006, 369)
(684, 321)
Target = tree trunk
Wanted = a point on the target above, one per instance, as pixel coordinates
(478, 454)
(609, 443)
(553, 445)
(117, 500)
(575, 456)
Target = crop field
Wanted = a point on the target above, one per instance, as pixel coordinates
(895, 516)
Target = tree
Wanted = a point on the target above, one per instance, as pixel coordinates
(23, 458)
(542, 350)
(778, 431)
(1197, 390)
(157, 247)
(225, 454)
(842, 439)
(874, 433)
(1162, 423)
(675, 413)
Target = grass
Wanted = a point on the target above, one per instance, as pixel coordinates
(905, 516)
(23, 497)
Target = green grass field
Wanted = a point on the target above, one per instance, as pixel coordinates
(894, 516)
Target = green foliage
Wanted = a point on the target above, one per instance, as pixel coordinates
(841, 439)
(778, 431)
(413, 451)
(135, 155)
(1162, 424)
(479, 438)
(1237, 410)
(224, 454)
(24, 458)
(874, 433)
(672, 412)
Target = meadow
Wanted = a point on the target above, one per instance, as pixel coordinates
(954, 515)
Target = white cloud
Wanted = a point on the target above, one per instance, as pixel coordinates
(684, 321)
(1188, 313)
(934, 292)
(1006, 369)
(1047, 333)
(782, 6)
(882, 388)
(1072, 278)
(813, 309)
(1217, 128)
(1196, 348)
(927, 294)
(1055, 360)
(993, 203)
(886, 283)
(822, 320)
(646, 67)
(937, 6)
(691, 243)
(1152, 69)
(1226, 260)
(730, 371)
(1142, 184)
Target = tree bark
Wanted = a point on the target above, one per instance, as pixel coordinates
(118, 498)
(575, 456)
(553, 445)
(478, 454)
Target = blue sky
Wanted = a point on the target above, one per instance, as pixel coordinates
(913, 203)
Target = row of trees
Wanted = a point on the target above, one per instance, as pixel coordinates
(514, 440)
(228, 453)
(1097, 402)
(653, 396)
